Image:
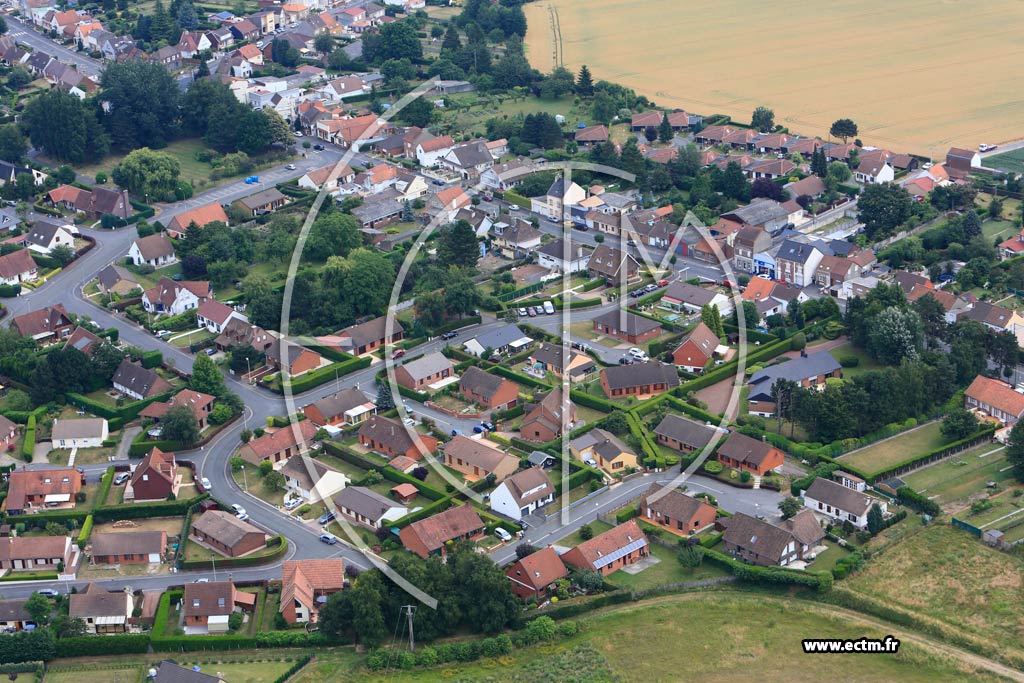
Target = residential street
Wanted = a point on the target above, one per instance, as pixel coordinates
(25, 35)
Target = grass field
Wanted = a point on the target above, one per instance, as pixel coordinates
(182, 150)
(1007, 161)
(950, 575)
(969, 100)
(878, 456)
(850, 349)
(717, 638)
(255, 671)
(957, 478)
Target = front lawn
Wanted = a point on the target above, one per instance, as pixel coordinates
(665, 572)
(896, 449)
(864, 361)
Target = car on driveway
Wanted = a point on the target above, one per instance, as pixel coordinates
(502, 534)
(523, 313)
(638, 354)
(49, 592)
(326, 517)
(292, 503)
(122, 478)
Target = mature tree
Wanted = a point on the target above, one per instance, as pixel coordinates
(451, 40)
(13, 144)
(690, 555)
(141, 101)
(206, 376)
(278, 130)
(188, 18)
(763, 119)
(148, 174)
(959, 423)
(971, 224)
(323, 43)
(686, 164)
(335, 234)
(876, 522)
(584, 82)
(284, 53)
(64, 626)
(933, 317)
(460, 294)
(819, 163)
(882, 208)
(458, 245)
(384, 400)
(419, 112)
(39, 608)
(162, 25)
(665, 129)
(62, 253)
(764, 187)
(839, 171)
(486, 604)
(179, 424)
(65, 128)
(784, 396)
(396, 40)
(253, 133)
(1015, 450)
(372, 279)
(733, 184)
(366, 598)
(843, 129)
(895, 335)
(431, 309)
(244, 357)
(789, 506)
(650, 134)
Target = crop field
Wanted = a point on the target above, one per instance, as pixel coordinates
(893, 450)
(920, 76)
(1006, 161)
(961, 476)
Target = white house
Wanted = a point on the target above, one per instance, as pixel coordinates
(523, 493)
(874, 170)
(88, 432)
(430, 152)
(312, 480)
(45, 236)
(171, 298)
(214, 316)
(155, 250)
(366, 507)
(844, 502)
(797, 263)
(17, 266)
(553, 257)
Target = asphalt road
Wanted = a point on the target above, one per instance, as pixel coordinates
(24, 34)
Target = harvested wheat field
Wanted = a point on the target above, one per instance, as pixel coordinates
(915, 75)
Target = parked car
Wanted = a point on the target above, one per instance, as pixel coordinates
(437, 181)
(122, 478)
(549, 308)
(290, 167)
(397, 353)
(210, 351)
(456, 432)
(638, 354)
(292, 503)
(161, 334)
(626, 360)
(408, 422)
(206, 484)
(478, 429)
(663, 283)
(502, 534)
(531, 311)
(488, 425)
(202, 580)
(49, 592)
(244, 516)
(326, 517)
(449, 335)
(318, 147)
(298, 134)
(238, 509)
(523, 313)
(329, 539)
(651, 287)
(513, 207)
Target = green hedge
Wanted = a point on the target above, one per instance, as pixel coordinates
(518, 378)
(41, 576)
(315, 378)
(692, 411)
(105, 483)
(28, 446)
(126, 412)
(510, 414)
(821, 581)
(427, 511)
(388, 472)
(587, 401)
(882, 474)
(85, 532)
(88, 646)
(913, 499)
(164, 508)
(278, 548)
(455, 325)
(163, 610)
(139, 449)
(727, 370)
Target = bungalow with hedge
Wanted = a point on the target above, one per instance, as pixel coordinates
(367, 508)
(675, 511)
(748, 454)
(36, 553)
(32, 490)
(140, 383)
(642, 380)
(369, 336)
(626, 326)
(86, 432)
(223, 532)
(279, 445)
(603, 449)
(346, 407)
(681, 434)
(17, 267)
(13, 616)
(128, 547)
(842, 503)
(487, 390)
(207, 607)
(311, 480)
(430, 536)
(155, 251)
(102, 611)
(535, 575)
(763, 543)
(476, 460)
(393, 439)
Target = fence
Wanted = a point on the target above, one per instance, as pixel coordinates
(969, 528)
(522, 291)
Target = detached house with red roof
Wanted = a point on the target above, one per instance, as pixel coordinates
(200, 217)
(46, 325)
(534, 576)
(752, 455)
(207, 607)
(429, 536)
(996, 398)
(171, 298)
(199, 403)
(279, 445)
(393, 439)
(306, 585)
(155, 478)
(610, 551)
(697, 350)
(31, 490)
(430, 152)
(17, 267)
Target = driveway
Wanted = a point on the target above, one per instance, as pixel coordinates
(126, 441)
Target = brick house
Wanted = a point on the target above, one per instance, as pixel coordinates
(626, 326)
(392, 439)
(995, 398)
(645, 379)
(128, 547)
(103, 612)
(766, 544)
(534, 576)
(292, 359)
(477, 460)
(423, 371)
(677, 512)
(367, 508)
(225, 533)
(684, 435)
(199, 403)
(155, 478)
(35, 553)
(610, 551)
(281, 444)
(369, 336)
(543, 420)
(32, 490)
(208, 606)
(305, 584)
(697, 350)
(45, 325)
(489, 391)
(346, 407)
(748, 454)
(429, 536)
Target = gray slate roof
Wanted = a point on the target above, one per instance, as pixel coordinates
(795, 370)
(687, 432)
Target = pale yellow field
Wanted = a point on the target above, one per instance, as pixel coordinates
(916, 75)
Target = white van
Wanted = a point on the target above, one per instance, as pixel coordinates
(549, 308)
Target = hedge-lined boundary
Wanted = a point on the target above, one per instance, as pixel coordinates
(279, 545)
(387, 471)
(518, 378)
(42, 576)
(316, 378)
(112, 513)
(907, 463)
(28, 446)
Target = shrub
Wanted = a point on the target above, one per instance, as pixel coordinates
(586, 532)
(745, 476)
(713, 467)
(848, 361)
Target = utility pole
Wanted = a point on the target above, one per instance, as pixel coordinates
(409, 611)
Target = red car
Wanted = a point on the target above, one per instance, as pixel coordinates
(397, 353)
(663, 283)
